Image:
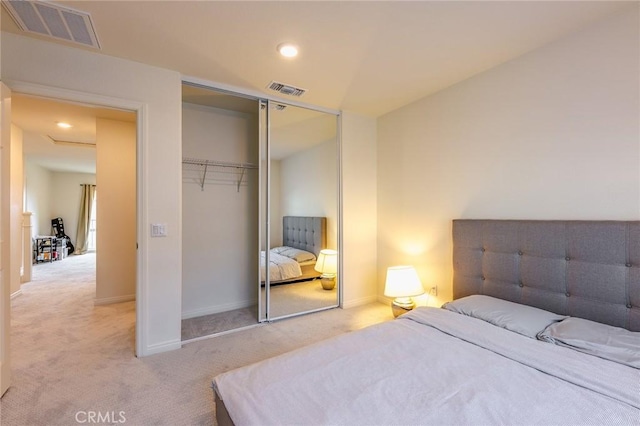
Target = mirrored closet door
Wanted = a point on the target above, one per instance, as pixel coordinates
(259, 187)
(303, 211)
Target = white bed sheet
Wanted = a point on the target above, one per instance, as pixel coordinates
(280, 267)
(432, 366)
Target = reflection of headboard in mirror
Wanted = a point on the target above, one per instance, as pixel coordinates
(305, 233)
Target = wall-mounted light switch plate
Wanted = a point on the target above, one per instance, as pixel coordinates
(158, 230)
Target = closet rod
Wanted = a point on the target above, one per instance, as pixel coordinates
(199, 162)
(240, 167)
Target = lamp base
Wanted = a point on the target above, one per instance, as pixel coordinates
(328, 283)
(402, 305)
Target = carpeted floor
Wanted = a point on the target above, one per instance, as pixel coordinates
(71, 358)
(286, 299)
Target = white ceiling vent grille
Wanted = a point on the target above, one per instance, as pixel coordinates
(53, 20)
(286, 89)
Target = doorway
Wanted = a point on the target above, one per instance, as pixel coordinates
(94, 146)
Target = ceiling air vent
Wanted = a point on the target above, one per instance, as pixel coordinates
(53, 20)
(286, 89)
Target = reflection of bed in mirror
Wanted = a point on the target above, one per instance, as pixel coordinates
(302, 239)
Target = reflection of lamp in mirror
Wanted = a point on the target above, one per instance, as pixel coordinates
(402, 283)
(327, 265)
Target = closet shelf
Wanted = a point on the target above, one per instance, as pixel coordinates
(215, 171)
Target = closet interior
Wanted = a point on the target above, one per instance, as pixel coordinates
(260, 186)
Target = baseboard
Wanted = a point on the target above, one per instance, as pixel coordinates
(16, 294)
(209, 310)
(116, 299)
(359, 302)
(169, 345)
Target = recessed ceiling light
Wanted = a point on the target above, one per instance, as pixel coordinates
(288, 50)
(64, 125)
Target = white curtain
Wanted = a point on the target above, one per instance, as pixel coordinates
(84, 218)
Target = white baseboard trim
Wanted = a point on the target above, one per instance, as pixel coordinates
(359, 302)
(217, 309)
(169, 345)
(116, 299)
(16, 294)
(385, 300)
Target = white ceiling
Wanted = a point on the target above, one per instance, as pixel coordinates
(75, 150)
(365, 57)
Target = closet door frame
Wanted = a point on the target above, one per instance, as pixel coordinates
(264, 142)
(338, 149)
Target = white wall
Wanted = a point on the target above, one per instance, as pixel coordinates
(65, 202)
(53, 194)
(69, 74)
(359, 215)
(309, 187)
(38, 194)
(553, 134)
(116, 211)
(220, 223)
(276, 203)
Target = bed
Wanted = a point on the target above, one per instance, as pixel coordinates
(302, 239)
(543, 329)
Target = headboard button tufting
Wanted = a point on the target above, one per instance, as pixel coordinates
(483, 249)
(520, 284)
(567, 294)
(567, 258)
(629, 306)
(520, 253)
(482, 278)
(628, 265)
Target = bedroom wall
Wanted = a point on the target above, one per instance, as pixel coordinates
(38, 182)
(65, 202)
(553, 134)
(359, 199)
(116, 211)
(219, 229)
(316, 193)
(157, 92)
(276, 203)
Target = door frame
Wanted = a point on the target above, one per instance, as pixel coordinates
(5, 284)
(141, 110)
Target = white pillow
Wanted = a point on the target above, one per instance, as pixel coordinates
(522, 319)
(294, 253)
(601, 340)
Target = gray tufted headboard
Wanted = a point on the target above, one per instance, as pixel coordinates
(586, 269)
(305, 233)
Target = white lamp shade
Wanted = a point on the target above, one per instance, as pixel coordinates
(402, 281)
(327, 262)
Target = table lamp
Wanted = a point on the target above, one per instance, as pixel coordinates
(402, 283)
(327, 265)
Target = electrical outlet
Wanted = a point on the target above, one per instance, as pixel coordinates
(433, 291)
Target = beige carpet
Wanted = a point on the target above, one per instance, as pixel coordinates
(70, 357)
(286, 299)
